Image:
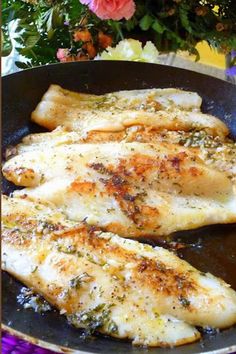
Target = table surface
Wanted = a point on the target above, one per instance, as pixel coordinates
(14, 345)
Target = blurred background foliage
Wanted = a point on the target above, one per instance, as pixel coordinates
(44, 26)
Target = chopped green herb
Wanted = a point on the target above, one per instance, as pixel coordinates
(34, 270)
(42, 179)
(91, 319)
(184, 301)
(112, 327)
(76, 282)
(36, 302)
(70, 249)
(121, 298)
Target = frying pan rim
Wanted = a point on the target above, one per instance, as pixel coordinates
(40, 67)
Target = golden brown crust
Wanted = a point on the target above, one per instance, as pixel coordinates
(129, 188)
(150, 294)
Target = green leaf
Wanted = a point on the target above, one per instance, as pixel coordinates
(184, 17)
(74, 10)
(158, 27)
(22, 65)
(6, 49)
(195, 52)
(31, 41)
(6, 45)
(130, 24)
(43, 17)
(116, 26)
(146, 22)
(57, 16)
(49, 24)
(51, 33)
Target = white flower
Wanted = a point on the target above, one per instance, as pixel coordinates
(131, 49)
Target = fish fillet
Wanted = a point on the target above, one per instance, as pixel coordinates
(112, 285)
(217, 152)
(157, 108)
(127, 188)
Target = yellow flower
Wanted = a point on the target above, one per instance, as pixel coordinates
(131, 49)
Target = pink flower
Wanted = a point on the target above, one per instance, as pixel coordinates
(111, 9)
(63, 54)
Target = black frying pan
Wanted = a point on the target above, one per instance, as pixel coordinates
(210, 249)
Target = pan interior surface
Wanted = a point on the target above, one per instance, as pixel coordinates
(211, 249)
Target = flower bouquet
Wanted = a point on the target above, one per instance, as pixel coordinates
(72, 30)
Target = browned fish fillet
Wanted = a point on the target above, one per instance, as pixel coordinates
(160, 109)
(128, 188)
(216, 152)
(105, 283)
